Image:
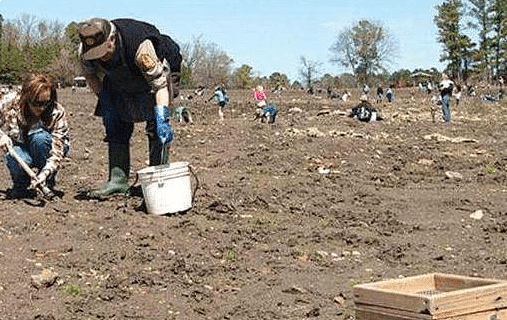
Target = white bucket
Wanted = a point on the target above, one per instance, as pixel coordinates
(166, 188)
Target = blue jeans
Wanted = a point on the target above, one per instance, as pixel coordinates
(446, 107)
(118, 131)
(34, 153)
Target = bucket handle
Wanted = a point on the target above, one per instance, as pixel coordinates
(196, 184)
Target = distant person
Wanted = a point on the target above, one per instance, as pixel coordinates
(429, 87)
(364, 111)
(331, 94)
(260, 97)
(200, 91)
(221, 98)
(446, 86)
(457, 94)
(267, 113)
(183, 114)
(493, 97)
(470, 90)
(380, 94)
(346, 96)
(35, 126)
(135, 72)
(366, 89)
(390, 94)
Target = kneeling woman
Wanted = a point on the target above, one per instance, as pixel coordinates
(34, 124)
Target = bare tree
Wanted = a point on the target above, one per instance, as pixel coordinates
(11, 34)
(309, 71)
(208, 63)
(193, 52)
(27, 25)
(64, 68)
(51, 32)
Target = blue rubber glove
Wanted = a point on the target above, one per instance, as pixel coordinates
(164, 130)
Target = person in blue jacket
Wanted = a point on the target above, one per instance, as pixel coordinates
(221, 98)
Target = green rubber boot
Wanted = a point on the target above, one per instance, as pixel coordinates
(119, 168)
(159, 154)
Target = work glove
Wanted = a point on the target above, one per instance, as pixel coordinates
(164, 131)
(41, 179)
(5, 142)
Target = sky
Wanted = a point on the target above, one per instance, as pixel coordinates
(268, 35)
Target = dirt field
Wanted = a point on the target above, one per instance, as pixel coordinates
(287, 217)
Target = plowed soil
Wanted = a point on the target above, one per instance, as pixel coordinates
(287, 217)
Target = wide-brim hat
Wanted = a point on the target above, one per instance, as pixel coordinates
(93, 34)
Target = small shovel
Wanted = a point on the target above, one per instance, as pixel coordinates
(46, 192)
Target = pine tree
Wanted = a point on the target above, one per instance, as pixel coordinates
(457, 46)
(479, 12)
(499, 40)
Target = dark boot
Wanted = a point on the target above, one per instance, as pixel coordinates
(119, 168)
(159, 154)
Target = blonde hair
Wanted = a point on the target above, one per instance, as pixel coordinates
(259, 88)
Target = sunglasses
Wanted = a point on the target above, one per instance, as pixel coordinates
(41, 103)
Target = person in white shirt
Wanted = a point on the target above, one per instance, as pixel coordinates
(446, 86)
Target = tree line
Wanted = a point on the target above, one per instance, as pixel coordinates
(474, 37)
(366, 48)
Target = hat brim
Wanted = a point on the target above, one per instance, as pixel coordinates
(96, 52)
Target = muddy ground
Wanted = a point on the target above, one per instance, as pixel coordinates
(287, 217)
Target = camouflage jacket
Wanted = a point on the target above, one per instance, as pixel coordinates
(13, 125)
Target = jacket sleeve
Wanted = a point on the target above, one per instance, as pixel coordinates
(60, 137)
(154, 71)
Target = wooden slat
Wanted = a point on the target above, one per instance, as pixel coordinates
(378, 313)
(469, 300)
(406, 285)
(453, 294)
(368, 312)
(447, 282)
(393, 300)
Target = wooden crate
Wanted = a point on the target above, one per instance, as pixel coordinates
(432, 296)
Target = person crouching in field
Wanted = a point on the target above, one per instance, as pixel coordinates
(268, 113)
(183, 114)
(34, 125)
(364, 111)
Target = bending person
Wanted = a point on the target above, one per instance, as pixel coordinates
(35, 126)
